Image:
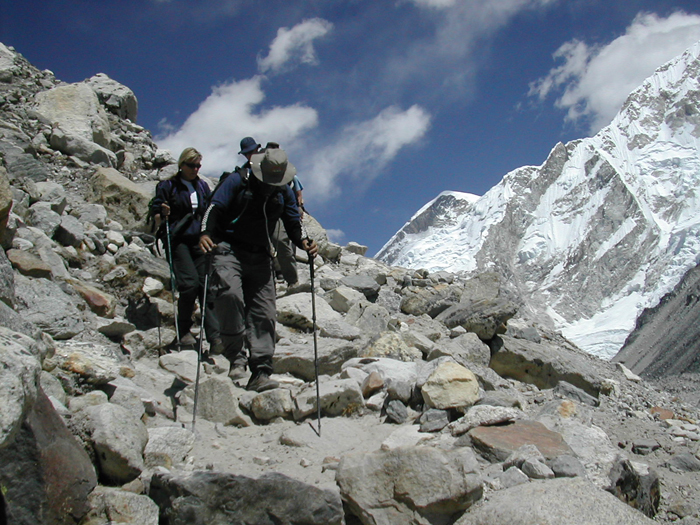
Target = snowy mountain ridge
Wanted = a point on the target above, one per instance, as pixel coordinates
(604, 228)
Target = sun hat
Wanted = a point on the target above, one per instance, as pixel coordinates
(248, 144)
(272, 167)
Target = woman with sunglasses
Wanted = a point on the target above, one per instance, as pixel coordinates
(181, 200)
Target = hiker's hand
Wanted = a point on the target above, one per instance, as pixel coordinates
(206, 244)
(310, 247)
(164, 210)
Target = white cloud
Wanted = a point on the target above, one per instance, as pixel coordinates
(454, 49)
(362, 150)
(597, 80)
(228, 115)
(336, 236)
(294, 46)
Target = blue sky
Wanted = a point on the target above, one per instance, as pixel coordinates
(381, 105)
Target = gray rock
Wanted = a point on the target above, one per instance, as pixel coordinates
(545, 502)
(465, 349)
(54, 194)
(41, 216)
(119, 440)
(7, 280)
(409, 485)
(390, 345)
(637, 485)
(684, 462)
(272, 404)
(512, 477)
(536, 469)
(168, 446)
(45, 470)
(125, 201)
(19, 380)
(368, 317)
(364, 284)
(116, 97)
(396, 412)
(485, 318)
(218, 402)
(296, 311)
(46, 305)
(298, 359)
(432, 301)
(433, 420)
(270, 499)
(76, 110)
(566, 466)
(70, 232)
(575, 393)
(112, 505)
(543, 365)
(342, 298)
(337, 397)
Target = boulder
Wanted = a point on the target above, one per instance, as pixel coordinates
(409, 485)
(496, 443)
(168, 446)
(271, 499)
(112, 505)
(118, 439)
(485, 318)
(45, 473)
(76, 109)
(116, 97)
(19, 381)
(544, 365)
(46, 305)
(552, 502)
(450, 386)
(124, 200)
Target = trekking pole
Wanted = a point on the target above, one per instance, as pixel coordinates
(313, 320)
(172, 279)
(203, 305)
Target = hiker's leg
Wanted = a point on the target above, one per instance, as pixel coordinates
(187, 281)
(286, 258)
(261, 313)
(211, 323)
(227, 296)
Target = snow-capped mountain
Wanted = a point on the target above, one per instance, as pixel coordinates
(603, 229)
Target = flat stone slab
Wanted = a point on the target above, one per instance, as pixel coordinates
(500, 441)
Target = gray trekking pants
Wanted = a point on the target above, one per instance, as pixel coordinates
(243, 289)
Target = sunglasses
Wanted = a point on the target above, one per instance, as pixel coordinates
(192, 165)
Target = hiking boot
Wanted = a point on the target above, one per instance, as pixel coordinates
(207, 358)
(236, 372)
(216, 347)
(260, 382)
(188, 340)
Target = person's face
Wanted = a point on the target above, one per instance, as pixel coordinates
(190, 169)
(261, 188)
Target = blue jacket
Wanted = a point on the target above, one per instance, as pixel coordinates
(185, 224)
(255, 216)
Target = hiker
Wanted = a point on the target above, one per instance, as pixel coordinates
(237, 229)
(181, 200)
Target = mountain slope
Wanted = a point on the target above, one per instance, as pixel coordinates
(603, 229)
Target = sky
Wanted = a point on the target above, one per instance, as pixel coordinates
(380, 105)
